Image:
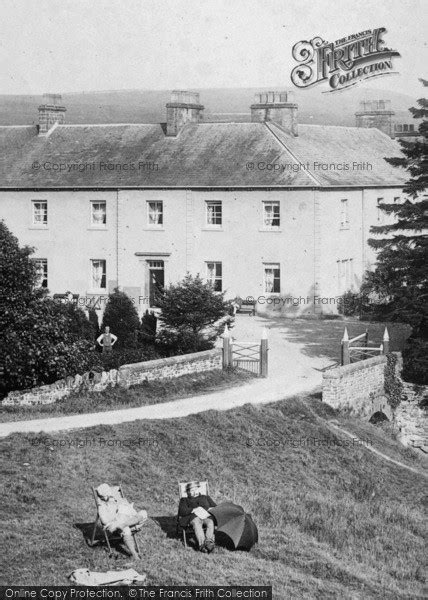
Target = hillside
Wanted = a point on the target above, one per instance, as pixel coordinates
(334, 521)
(148, 106)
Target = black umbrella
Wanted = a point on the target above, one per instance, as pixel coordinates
(234, 522)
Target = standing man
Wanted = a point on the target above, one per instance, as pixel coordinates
(193, 511)
(107, 340)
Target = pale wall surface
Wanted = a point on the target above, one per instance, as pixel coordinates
(307, 246)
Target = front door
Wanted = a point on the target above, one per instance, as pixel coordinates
(156, 280)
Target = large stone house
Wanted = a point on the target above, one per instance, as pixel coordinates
(270, 208)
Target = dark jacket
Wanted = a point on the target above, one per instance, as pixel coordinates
(185, 515)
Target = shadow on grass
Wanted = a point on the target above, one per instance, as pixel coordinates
(168, 525)
(99, 539)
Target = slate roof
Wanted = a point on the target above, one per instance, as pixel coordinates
(202, 155)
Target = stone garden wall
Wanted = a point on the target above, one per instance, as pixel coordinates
(359, 387)
(359, 390)
(125, 376)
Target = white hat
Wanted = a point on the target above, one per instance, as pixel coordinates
(104, 490)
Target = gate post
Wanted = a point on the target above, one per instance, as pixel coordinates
(346, 359)
(385, 344)
(264, 354)
(226, 348)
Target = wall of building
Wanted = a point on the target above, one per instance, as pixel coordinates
(308, 245)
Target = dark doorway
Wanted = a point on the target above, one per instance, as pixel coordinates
(156, 280)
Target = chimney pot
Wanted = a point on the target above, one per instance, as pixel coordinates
(51, 112)
(376, 113)
(183, 108)
(277, 107)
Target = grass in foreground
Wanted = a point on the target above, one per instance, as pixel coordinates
(152, 392)
(334, 521)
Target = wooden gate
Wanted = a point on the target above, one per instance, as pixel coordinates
(351, 354)
(249, 356)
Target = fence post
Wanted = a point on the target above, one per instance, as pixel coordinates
(385, 342)
(346, 359)
(226, 348)
(264, 354)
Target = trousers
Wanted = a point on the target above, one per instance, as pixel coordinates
(198, 527)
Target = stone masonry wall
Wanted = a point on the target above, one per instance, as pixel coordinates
(174, 366)
(359, 387)
(411, 418)
(125, 376)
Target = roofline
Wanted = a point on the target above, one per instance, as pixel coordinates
(200, 187)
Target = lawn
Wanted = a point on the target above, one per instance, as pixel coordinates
(334, 521)
(322, 337)
(151, 392)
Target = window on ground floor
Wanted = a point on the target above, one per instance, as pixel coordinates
(214, 275)
(345, 274)
(272, 279)
(42, 271)
(98, 274)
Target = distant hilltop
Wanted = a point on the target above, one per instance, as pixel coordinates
(222, 104)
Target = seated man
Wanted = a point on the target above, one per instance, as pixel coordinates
(193, 511)
(117, 514)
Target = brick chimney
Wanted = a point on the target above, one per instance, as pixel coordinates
(183, 108)
(277, 107)
(376, 113)
(51, 112)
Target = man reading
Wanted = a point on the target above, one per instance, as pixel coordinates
(193, 510)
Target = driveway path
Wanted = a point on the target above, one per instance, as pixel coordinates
(290, 372)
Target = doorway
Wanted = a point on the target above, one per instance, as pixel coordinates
(156, 280)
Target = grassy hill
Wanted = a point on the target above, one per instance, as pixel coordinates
(334, 521)
(148, 106)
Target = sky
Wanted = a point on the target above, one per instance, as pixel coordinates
(67, 46)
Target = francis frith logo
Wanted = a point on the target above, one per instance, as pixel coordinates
(342, 63)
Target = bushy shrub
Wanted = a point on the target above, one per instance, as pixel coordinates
(93, 319)
(191, 316)
(41, 348)
(148, 327)
(122, 317)
(117, 358)
(171, 342)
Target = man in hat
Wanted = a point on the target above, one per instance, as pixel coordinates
(193, 510)
(117, 514)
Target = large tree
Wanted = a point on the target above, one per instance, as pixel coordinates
(401, 278)
(40, 340)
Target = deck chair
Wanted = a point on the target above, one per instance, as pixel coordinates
(109, 537)
(204, 488)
